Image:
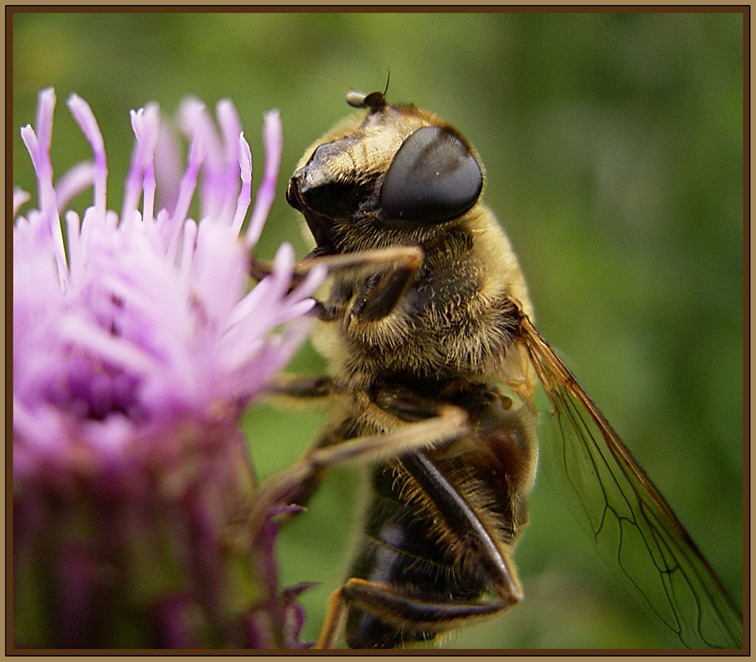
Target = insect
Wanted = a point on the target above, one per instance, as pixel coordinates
(434, 364)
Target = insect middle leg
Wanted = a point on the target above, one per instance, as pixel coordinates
(416, 423)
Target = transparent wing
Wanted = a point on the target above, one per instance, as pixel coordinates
(632, 523)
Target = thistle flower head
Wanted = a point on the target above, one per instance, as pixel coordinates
(123, 326)
(136, 344)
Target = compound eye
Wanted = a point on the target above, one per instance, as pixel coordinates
(434, 177)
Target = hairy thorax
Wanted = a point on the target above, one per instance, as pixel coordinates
(447, 325)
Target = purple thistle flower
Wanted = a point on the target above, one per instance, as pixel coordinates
(137, 344)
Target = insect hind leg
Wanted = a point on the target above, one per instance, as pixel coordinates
(407, 618)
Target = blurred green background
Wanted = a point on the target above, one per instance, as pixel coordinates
(613, 147)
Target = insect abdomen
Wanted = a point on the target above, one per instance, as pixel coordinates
(402, 549)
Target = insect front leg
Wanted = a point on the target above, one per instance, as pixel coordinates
(387, 271)
(293, 390)
(363, 263)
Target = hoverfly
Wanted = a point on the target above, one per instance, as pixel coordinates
(434, 362)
